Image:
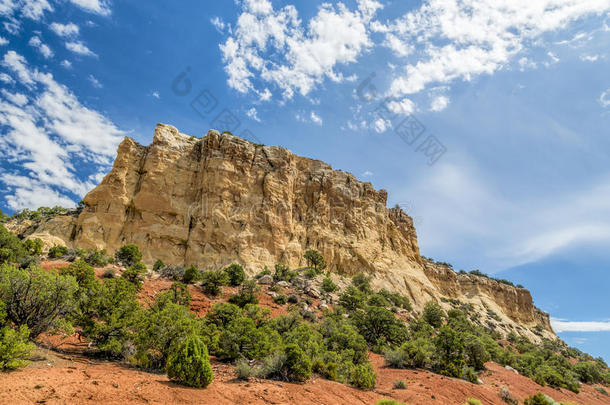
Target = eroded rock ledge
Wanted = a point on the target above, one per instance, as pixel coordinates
(220, 199)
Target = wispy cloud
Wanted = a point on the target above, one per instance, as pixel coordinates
(48, 131)
(65, 30)
(253, 114)
(604, 98)
(562, 325)
(94, 6)
(94, 82)
(41, 47)
(80, 48)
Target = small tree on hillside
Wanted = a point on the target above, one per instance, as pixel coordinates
(315, 260)
(189, 364)
(128, 255)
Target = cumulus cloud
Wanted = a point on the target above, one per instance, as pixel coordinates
(93, 6)
(65, 30)
(66, 63)
(43, 48)
(439, 103)
(463, 42)
(3, 41)
(79, 48)
(277, 48)
(562, 325)
(47, 132)
(253, 114)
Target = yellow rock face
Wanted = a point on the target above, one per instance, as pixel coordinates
(218, 200)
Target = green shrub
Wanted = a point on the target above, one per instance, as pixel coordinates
(178, 293)
(244, 371)
(363, 376)
(416, 353)
(396, 299)
(474, 349)
(472, 401)
(109, 273)
(280, 299)
(189, 363)
(97, 258)
(57, 251)
(223, 313)
(328, 285)
(128, 255)
(82, 272)
(362, 282)
(191, 275)
(352, 298)
(400, 385)
(247, 294)
(298, 365)
(449, 353)
(283, 273)
(379, 327)
(315, 260)
(158, 265)
(538, 399)
(388, 402)
(470, 375)
(236, 274)
(293, 299)
(135, 274)
(158, 330)
(602, 391)
(33, 247)
(505, 395)
(241, 337)
(433, 314)
(36, 298)
(212, 281)
(12, 250)
(15, 349)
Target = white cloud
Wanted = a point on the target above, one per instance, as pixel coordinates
(79, 48)
(44, 50)
(219, 24)
(5, 78)
(367, 174)
(604, 98)
(94, 82)
(65, 30)
(156, 95)
(589, 58)
(3, 41)
(459, 42)
(35, 9)
(94, 6)
(315, 118)
(439, 103)
(253, 114)
(561, 325)
(47, 132)
(66, 63)
(276, 46)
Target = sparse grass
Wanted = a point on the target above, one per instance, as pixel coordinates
(400, 385)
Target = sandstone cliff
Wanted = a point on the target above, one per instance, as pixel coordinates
(217, 200)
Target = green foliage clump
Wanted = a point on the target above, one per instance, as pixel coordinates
(178, 293)
(315, 260)
(158, 265)
(280, 299)
(297, 366)
(189, 363)
(135, 274)
(191, 275)
(222, 314)
(433, 314)
(15, 349)
(36, 298)
(538, 399)
(328, 286)
(241, 337)
(352, 298)
(128, 255)
(57, 251)
(212, 281)
(399, 385)
(417, 353)
(363, 376)
(283, 273)
(236, 274)
(96, 257)
(472, 401)
(449, 353)
(388, 402)
(13, 250)
(247, 294)
(380, 327)
(362, 282)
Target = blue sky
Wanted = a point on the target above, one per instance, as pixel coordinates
(487, 123)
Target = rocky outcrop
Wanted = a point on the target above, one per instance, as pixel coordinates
(220, 199)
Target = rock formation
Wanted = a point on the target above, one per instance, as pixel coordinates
(220, 199)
